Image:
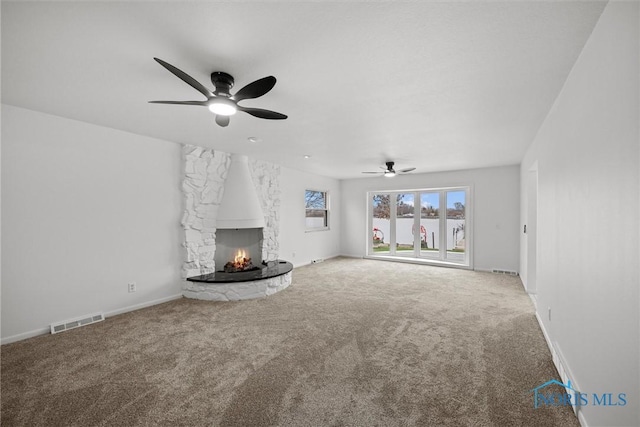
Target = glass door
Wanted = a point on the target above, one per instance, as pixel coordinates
(380, 224)
(430, 225)
(456, 221)
(437, 232)
(404, 225)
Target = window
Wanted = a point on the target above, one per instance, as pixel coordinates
(317, 210)
(430, 225)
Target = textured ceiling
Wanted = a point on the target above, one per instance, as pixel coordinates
(439, 86)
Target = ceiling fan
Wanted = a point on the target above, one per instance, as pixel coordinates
(389, 172)
(220, 101)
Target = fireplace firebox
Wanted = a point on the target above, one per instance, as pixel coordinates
(238, 250)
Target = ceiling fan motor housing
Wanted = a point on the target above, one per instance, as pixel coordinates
(223, 82)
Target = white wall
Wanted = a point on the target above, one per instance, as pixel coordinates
(496, 198)
(588, 185)
(307, 246)
(85, 210)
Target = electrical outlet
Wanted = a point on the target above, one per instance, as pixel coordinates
(132, 286)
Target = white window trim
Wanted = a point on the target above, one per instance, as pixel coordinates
(467, 265)
(327, 208)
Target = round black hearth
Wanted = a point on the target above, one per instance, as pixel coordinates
(271, 269)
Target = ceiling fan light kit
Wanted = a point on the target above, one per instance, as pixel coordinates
(223, 106)
(220, 101)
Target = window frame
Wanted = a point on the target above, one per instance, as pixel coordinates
(327, 211)
(443, 259)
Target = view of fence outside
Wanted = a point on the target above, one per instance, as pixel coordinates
(430, 233)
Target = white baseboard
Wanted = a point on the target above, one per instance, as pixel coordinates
(142, 305)
(351, 256)
(26, 335)
(303, 264)
(546, 335)
(563, 369)
(534, 300)
(47, 330)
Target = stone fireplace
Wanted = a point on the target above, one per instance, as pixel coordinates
(231, 204)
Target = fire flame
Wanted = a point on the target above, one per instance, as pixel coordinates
(241, 262)
(240, 257)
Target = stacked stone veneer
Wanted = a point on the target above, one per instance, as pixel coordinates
(205, 172)
(266, 179)
(236, 291)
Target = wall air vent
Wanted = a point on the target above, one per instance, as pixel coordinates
(75, 323)
(507, 272)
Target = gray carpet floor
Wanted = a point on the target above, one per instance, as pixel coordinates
(350, 343)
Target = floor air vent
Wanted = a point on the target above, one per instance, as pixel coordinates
(507, 272)
(76, 323)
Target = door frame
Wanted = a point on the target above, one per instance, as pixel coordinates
(531, 234)
(391, 256)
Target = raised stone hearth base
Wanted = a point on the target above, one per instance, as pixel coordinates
(236, 291)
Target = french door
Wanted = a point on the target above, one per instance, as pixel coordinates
(423, 225)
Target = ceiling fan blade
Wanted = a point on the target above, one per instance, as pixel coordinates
(202, 103)
(263, 114)
(407, 170)
(186, 78)
(222, 120)
(255, 89)
(376, 173)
